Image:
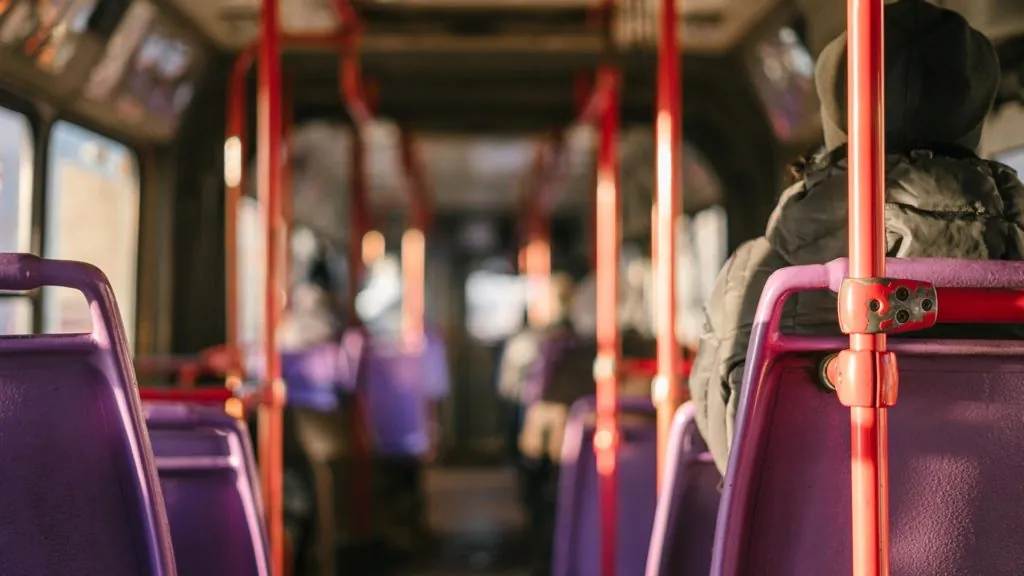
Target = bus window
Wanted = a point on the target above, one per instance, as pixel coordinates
(16, 159)
(1014, 158)
(380, 299)
(92, 215)
(250, 265)
(496, 300)
(702, 250)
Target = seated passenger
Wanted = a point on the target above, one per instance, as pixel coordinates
(515, 373)
(552, 343)
(942, 200)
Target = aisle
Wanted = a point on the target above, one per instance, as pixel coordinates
(475, 517)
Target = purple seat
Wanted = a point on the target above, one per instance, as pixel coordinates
(316, 375)
(684, 523)
(398, 385)
(78, 483)
(209, 480)
(577, 542)
(956, 445)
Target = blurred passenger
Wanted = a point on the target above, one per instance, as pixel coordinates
(511, 407)
(562, 374)
(401, 381)
(523, 349)
(942, 200)
(521, 380)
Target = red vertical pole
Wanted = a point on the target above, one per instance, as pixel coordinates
(414, 243)
(868, 424)
(666, 391)
(537, 246)
(271, 420)
(606, 368)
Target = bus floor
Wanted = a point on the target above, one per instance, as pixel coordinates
(476, 527)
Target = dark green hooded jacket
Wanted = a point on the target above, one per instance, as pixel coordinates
(942, 200)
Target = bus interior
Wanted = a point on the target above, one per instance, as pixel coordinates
(440, 175)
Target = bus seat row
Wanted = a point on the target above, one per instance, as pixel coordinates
(577, 521)
(209, 481)
(394, 379)
(316, 376)
(956, 441)
(684, 523)
(95, 502)
(670, 536)
(81, 492)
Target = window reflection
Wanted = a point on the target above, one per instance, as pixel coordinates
(46, 31)
(782, 70)
(702, 248)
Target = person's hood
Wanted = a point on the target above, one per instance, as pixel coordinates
(941, 78)
(952, 206)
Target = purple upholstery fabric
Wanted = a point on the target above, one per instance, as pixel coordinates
(577, 542)
(398, 384)
(956, 440)
(208, 474)
(684, 523)
(315, 375)
(80, 493)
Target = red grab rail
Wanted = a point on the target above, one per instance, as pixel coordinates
(872, 387)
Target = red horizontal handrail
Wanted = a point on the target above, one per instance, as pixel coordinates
(649, 367)
(980, 305)
(212, 395)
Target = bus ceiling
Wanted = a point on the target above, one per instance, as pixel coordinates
(456, 66)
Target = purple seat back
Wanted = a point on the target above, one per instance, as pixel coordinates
(78, 484)
(956, 439)
(208, 474)
(398, 384)
(684, 523)
(316, 375)
(577, 541)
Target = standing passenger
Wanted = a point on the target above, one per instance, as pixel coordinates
(942, 200)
